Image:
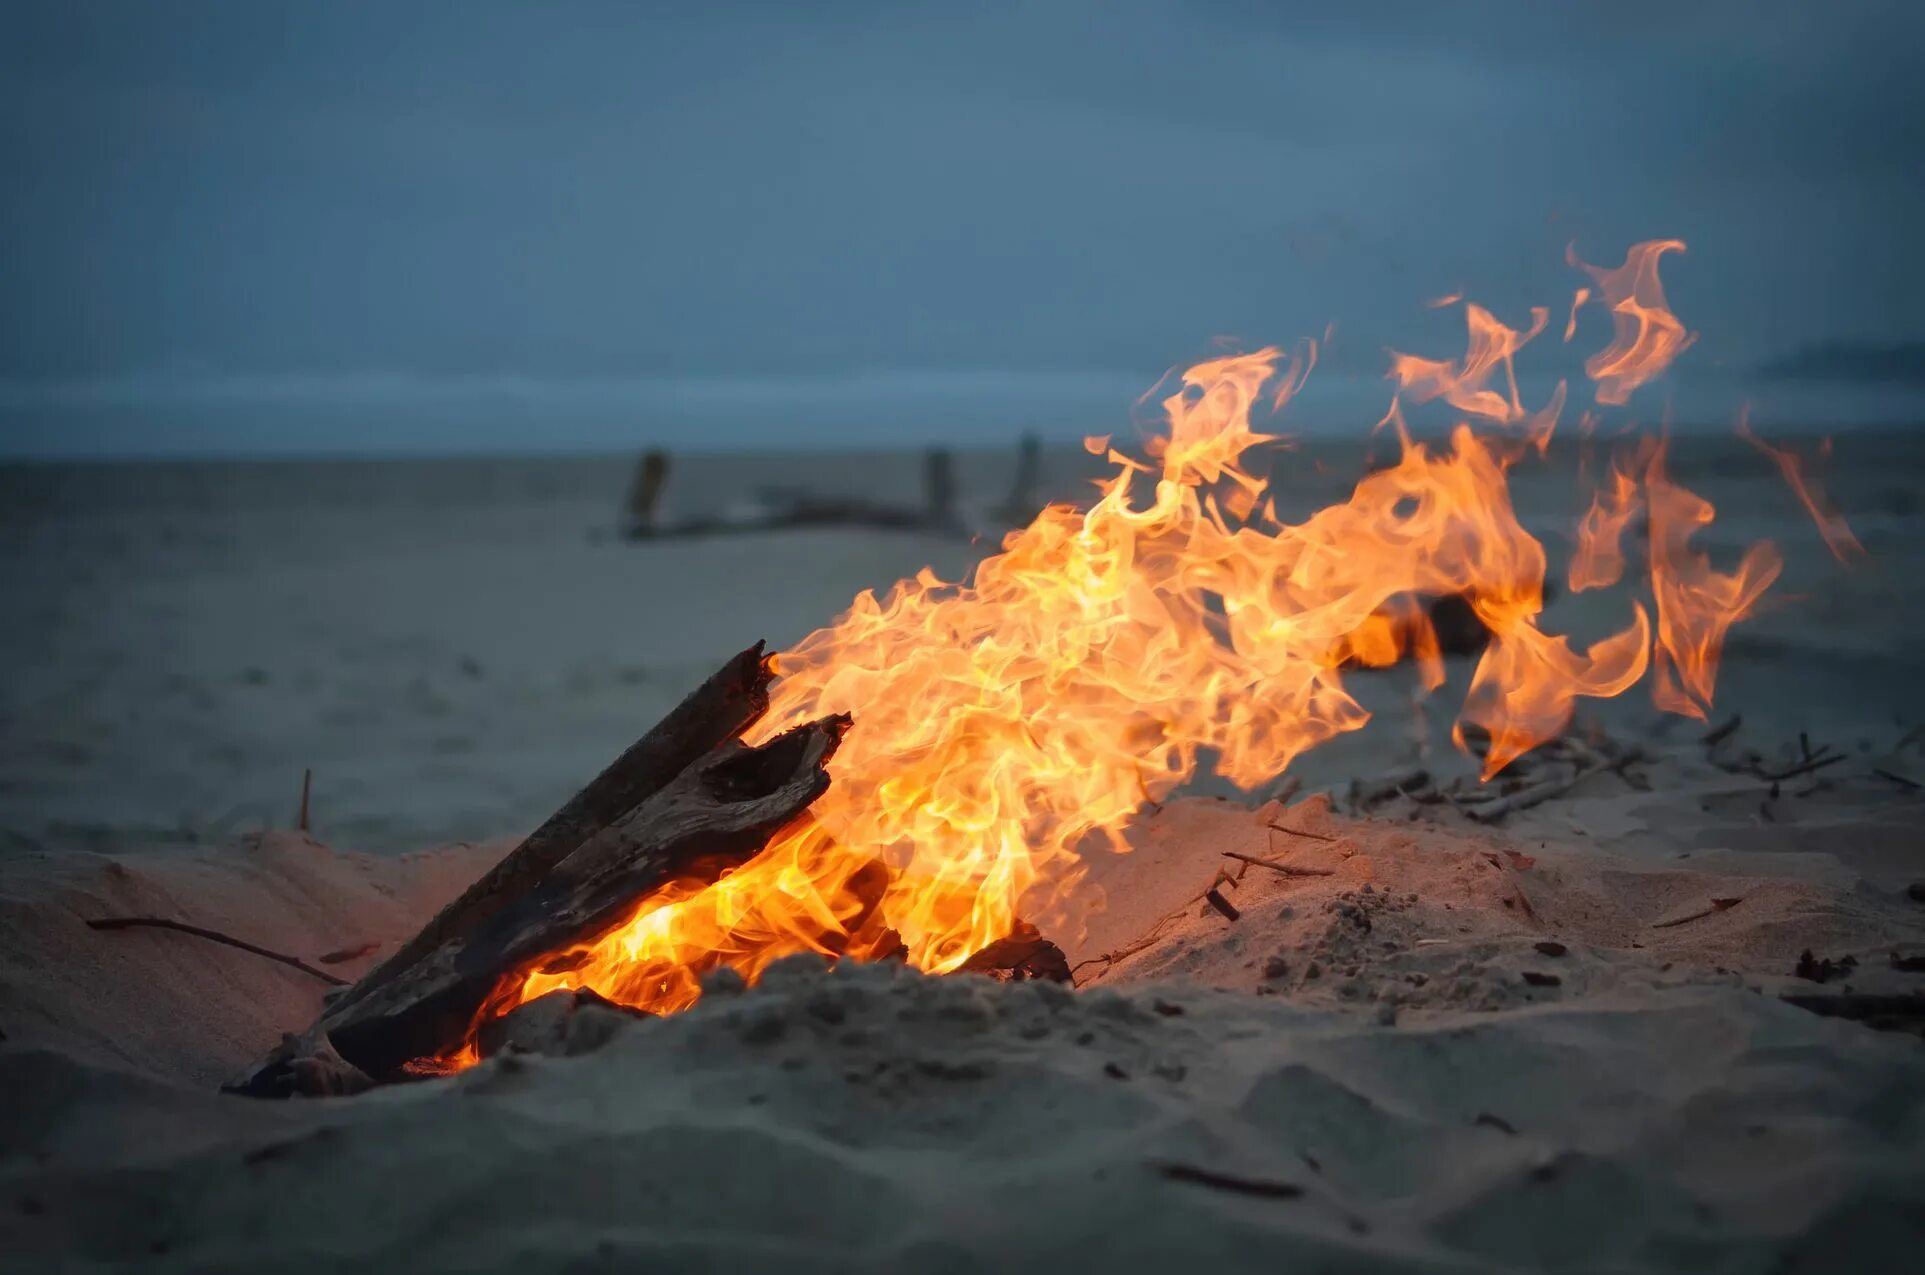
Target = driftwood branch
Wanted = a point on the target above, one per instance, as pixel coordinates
(162, 923)
(717, 710)
(713, 816)
(687, 802)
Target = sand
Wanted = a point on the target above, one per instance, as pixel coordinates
(1464, 1049)
(1540, 1045)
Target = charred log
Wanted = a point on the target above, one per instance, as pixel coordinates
(1022, 955)
(717, 710)
(685, 803)
(560, 1024)
(713, 816)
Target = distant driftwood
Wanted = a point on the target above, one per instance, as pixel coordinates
(776, 508)
(779, 507)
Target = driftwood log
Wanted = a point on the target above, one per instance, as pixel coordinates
(687, 800)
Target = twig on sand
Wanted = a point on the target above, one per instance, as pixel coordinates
(1823, 759)
(1288, 870)
(1723, 730)
(307, 780)
(1214, 897)
(1902, 780)
(1717, 906)
(162, 923)
(1366, 793)
(1262, 1187)
(1491, 811)
(1299, 832)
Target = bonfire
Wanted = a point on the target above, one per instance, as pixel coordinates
(926, 779)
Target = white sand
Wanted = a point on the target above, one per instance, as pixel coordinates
(1413, 1104)
(454, 670)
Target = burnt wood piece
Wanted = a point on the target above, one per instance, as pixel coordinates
(716, 814)
(303, 1066)
(1022, 955)
(560, 1025)
(717, 710)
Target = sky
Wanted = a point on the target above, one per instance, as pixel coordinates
(259, 227)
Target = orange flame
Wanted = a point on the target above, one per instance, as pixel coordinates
(1598, 561)
(1695, 603)
(1810, 490)
(1003, 722)
(1578, 299)
(1646, 336)
(1465, 385)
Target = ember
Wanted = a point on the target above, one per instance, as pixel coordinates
(1002, 721)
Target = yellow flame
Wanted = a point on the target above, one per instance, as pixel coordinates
(1085, 669)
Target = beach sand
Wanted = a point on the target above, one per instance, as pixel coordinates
(1549, 1044)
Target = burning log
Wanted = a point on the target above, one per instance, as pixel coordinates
(1024, 954)
(687, 800)
(718, 710)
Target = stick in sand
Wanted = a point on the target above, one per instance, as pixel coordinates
(1299, 832)
(1537, 794)
(1816, 763)
(1717, 906)
(1288, 870)
(1723, 730)
(307, 779)
(162, 923)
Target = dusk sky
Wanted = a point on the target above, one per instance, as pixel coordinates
(270, 227)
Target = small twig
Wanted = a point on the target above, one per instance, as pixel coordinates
(1717, 906)
(1897, 778)
(1723, 730)
(1289, 870)
(1364, 793)
(1537, 794)
(307, 780)
(1264, 1188)
(1299, 832)
(1817, 763)
(1214, 897)
(162, 923)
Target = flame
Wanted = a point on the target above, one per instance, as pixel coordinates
(1646, 336)
(1696, 604)
(1400, 628)
(1598, 561)
(1578, 299)
(1005, 721)
(1810, 491)
(1464, 384)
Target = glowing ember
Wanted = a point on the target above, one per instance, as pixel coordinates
(1080, 673)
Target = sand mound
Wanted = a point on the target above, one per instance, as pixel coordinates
(1407, 918)
(1429, 1046)
(178, 1006)
(872, 1118)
